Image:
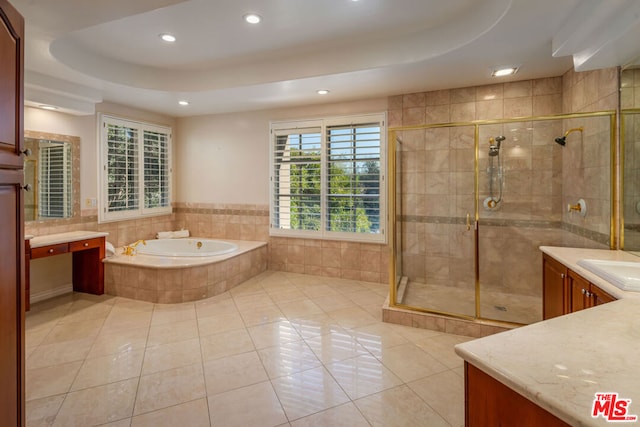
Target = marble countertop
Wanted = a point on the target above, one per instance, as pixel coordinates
(571, 256)
(561, 363)
(72, 236)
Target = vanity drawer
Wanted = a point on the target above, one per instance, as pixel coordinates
(84, 244)
(50, 250)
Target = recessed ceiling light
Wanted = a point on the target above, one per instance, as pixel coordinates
(168, 37)
(501, 72)
(183, 103)
(47, 107)
(323, 92)
(252, 18)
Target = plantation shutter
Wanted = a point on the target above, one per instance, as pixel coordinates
(156, 169)
(353, 178)
(122, 168)
(297, 183)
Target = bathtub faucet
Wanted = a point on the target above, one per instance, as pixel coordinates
(131, 249)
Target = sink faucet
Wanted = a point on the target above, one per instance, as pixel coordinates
(130, 250)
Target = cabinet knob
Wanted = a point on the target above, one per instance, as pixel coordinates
(27, 187)
(562, 275)
(26, 152)
(86, 244)
(50, 251)
(584, 291)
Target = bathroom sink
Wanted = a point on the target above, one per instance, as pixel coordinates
(622, 274)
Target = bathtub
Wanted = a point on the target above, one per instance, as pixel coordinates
(191, 247)
(180, 270)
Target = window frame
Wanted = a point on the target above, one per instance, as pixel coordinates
(141, 211)
(324, 124)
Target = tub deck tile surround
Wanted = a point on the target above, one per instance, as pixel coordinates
(183, 279)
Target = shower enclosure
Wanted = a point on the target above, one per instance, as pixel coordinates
(473, 202)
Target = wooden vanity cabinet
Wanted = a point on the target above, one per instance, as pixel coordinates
(565, 291)
(555, 290)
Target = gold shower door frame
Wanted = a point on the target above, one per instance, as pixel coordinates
(615, 186)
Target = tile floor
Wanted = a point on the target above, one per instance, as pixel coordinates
(279, 350)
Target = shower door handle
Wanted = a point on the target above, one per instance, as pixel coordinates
(468, 222)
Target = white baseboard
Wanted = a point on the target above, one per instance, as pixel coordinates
(50, 293)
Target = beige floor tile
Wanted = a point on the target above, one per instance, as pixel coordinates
(126, 422)
(261, 315)
(399, 406)
(444, 392)
(288, 358)
(98, 405)
(299, 308)
(272, 334)
(171, 313)
(308, 392)
(353, 317)
(318, 291)
(410, 363)
(211, 307)
(168, 388)
(346, 415)
(84, 310)
(191, 414)
(50, 381)
(120, 341)
(254, 405)
(170, 356)
(282, 296)
(378, 336)
(235, 376)
(34, 337)
(130, 305)
(315, 325)
(125, 319)
(362, 376)
(109, 369)
(246, 302)
(230, 373)
(42, 412)
(226, 344)
(63, 352)
(165, 333)
(74, 331)
(441, 347)
(218, 323)
(333, 302)
(336, 346)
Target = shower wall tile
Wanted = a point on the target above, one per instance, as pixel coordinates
(518, 107)
(518, 89)
(414, 100)
(487, 110)
(463, 112)
(466, 94)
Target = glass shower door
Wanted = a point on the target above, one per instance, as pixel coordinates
(438, 219)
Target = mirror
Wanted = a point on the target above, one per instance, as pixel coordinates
(52, 169)
(630, 137)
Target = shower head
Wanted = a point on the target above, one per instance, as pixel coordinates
(562, 140)
(494, 145)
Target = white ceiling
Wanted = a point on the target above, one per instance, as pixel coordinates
(81, 52)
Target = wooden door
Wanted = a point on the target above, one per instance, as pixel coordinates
(11, 218)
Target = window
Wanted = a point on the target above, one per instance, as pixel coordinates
(54, 184)
(136, 169)
(327, 178)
